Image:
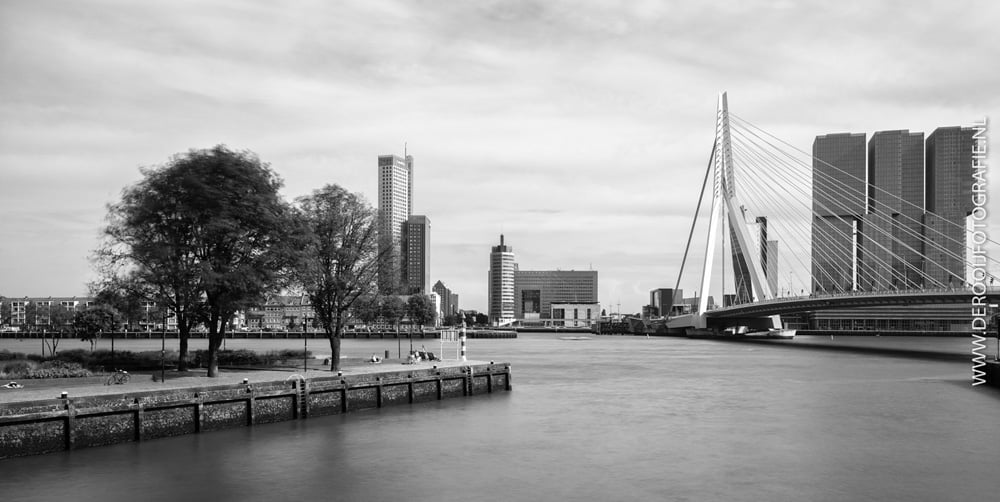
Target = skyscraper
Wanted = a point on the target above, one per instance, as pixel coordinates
(501, 284)
(948, 201)
(395, 205)
(893, 233)
(449, 300)
(839, 201)
(416, 241)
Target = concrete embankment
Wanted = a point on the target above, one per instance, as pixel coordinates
(50, 425)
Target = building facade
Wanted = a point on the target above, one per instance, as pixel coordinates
(416, 252)
(839, 206)
(948, 202)
(449, 300)
(500, 284)
(893, 226)
(575, 315)
(395, 205)
(662, 301)
(536, 290)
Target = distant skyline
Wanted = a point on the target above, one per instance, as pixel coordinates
(580, 130)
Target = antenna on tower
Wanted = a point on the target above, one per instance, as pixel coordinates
(404, 150)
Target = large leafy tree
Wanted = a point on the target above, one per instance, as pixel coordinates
(340, 264)
(420, 309)
(125, 299)
(206, 234)
(392, 309)
(366, 310)
(91, 323)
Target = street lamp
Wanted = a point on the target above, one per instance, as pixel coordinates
(163, 348)
(305, 346)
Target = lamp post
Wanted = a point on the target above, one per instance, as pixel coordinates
(305, 345)
(163, 348)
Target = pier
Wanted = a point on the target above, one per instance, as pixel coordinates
(98, 415)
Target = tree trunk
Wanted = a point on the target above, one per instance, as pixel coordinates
(182, 364)
(335, 351)
(214, 342)
(183, 332)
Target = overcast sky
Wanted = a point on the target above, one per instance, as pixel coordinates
(578, 129)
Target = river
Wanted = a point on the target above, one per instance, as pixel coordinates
(605, 418)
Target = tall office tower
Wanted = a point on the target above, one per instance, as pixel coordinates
(395, 205)
(501, 284)
(416, 240)
(948, 202)
(447, 302)
(768, 255)
(893, 229)
(771, 271)
(839, 201)
(536, 290)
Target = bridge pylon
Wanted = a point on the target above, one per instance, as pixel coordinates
(726, 204)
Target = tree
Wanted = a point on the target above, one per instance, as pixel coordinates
(206, 234)
(126, 300)
(91, 323)
(366, 310)
(482, 319)
(393, 309)
(340, 263)
(421, 311)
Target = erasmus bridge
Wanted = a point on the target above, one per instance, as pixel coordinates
(845, 242)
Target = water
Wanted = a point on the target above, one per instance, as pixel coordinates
(610, 418)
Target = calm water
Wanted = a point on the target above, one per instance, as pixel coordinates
(610, 418)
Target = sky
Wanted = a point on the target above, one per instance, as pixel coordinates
(578, 129)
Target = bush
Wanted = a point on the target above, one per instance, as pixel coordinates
(11, 369)
(244, 357)
(6, 355)
(47, 369)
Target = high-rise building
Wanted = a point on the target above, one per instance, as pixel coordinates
(948, 201)
(893, 227)
(536, 290)
(501, 284)
(839, 202)
(395, 205)
(449, 300)
(416, 240)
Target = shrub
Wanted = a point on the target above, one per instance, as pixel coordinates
(47, 369)
(244, 357)
(14, 368)
(6, 355)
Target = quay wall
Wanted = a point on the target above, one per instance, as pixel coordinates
(51, 425)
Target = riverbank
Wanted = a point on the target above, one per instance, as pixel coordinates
(35, 419)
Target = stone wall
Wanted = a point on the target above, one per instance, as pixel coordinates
(36, 427)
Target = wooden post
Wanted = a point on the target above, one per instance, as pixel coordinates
(251, 404)
(199, 409)
(140, 411)
(70, 425)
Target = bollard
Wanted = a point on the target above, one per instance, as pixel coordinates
(386, 354)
